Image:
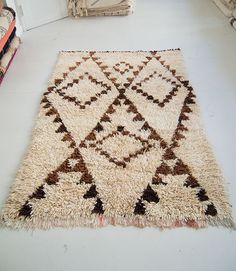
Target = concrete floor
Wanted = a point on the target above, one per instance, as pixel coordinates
(209, 48)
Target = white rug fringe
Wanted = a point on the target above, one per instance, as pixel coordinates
(98, 221)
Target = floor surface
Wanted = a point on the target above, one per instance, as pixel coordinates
(209, 48)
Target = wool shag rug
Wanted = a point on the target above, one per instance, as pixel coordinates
(118, 141)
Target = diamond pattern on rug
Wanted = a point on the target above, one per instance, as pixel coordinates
(118, 141)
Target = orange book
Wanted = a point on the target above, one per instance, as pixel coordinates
(7, 35)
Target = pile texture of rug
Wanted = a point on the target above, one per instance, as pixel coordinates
(228, 7)
(78, 8)
(118, 141)
(9, 42)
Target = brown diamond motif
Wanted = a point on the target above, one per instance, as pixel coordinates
(129, 146)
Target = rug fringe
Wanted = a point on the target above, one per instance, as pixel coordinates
(99, 221)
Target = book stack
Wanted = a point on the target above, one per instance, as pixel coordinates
(79, 8)
(9, 42)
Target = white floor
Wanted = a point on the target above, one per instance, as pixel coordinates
(209, 47)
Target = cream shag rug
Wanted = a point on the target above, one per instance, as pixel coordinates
(118, 141)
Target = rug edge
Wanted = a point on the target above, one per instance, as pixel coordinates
(100, 221)
(119, 51)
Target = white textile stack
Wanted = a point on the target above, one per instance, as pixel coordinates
(233, 19)
(228, 7)
(78, 8)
